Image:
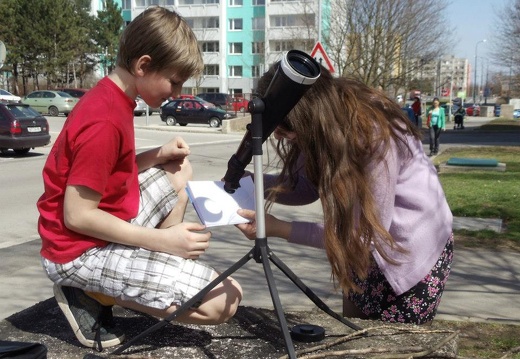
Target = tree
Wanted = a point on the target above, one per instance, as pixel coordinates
(505, 51)
(8, 30)
(85, 50)
(380, 41)
(108, 30)
(47, 46)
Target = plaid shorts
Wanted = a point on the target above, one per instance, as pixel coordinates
(152, 279)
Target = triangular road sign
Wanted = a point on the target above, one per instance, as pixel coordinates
(319, 54)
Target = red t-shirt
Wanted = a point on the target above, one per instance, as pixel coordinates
(96, 149)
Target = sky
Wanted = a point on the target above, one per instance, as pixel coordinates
(475, 20)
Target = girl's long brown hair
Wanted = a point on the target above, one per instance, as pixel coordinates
(342, 125)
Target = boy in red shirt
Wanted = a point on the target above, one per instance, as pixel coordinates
(111, 221)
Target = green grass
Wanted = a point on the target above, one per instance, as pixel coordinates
(489, 195)
(484, 340)
(486, 194)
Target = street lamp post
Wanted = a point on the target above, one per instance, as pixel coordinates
(484, 79)
(475, 77)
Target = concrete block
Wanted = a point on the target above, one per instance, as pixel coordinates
(487, 111)
(506, 111)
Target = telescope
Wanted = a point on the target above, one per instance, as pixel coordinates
(295, 74)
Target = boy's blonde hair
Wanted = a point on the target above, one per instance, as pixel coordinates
(166, 37)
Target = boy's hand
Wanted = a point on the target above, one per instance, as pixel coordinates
(185, 240)
(176, 149)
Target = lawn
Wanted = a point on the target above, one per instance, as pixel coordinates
(485, 194)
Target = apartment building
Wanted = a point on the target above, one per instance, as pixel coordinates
(450, 76)
(240, 38)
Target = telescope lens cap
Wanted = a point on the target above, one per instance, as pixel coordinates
(307, 333)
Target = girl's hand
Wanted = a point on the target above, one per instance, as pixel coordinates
(274, 227)
(249, 229)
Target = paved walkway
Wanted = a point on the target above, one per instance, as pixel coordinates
(484, 285)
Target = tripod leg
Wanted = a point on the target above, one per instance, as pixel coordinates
(289, 346)
(196, 298)
(312, 296)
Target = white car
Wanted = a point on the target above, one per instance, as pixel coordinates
(141, 106)
(6, 97)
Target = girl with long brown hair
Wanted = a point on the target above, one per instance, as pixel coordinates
(387, 228)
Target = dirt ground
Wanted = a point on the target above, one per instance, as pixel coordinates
(502, 341)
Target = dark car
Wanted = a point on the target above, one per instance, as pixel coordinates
(74, 92)
(22, 128)
(184, 111)
(221, 100)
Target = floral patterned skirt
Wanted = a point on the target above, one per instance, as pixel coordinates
(417, 306)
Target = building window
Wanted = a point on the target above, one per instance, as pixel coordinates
(258, 23)
(211, 70)
(197, 2)
(210, 46)
(256, 71)
(282, 45)
(236, 24)
(235, 48)
(210, 22)
(235, 2)
(198, 23)
(281, 21)
(147, 3)
(235, 71)
(291, 20)
(258, 2)
(236, 92)
(258, 47)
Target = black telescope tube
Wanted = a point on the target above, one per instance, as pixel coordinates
(296, 72)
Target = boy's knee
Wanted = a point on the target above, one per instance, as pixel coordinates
(226, 307)
(179, 172)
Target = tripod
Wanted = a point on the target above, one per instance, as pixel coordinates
(260, 252)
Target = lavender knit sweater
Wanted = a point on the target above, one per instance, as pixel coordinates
(413, 209)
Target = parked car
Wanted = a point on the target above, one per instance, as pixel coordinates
(221, 100)
(496, 110)
(472, 109)
(193, 97)
(51, 102)
(6, 97)
(184, 111)
(240, 104)
(516, 113)
(141, 106)
(74, 92)
(22, 128)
